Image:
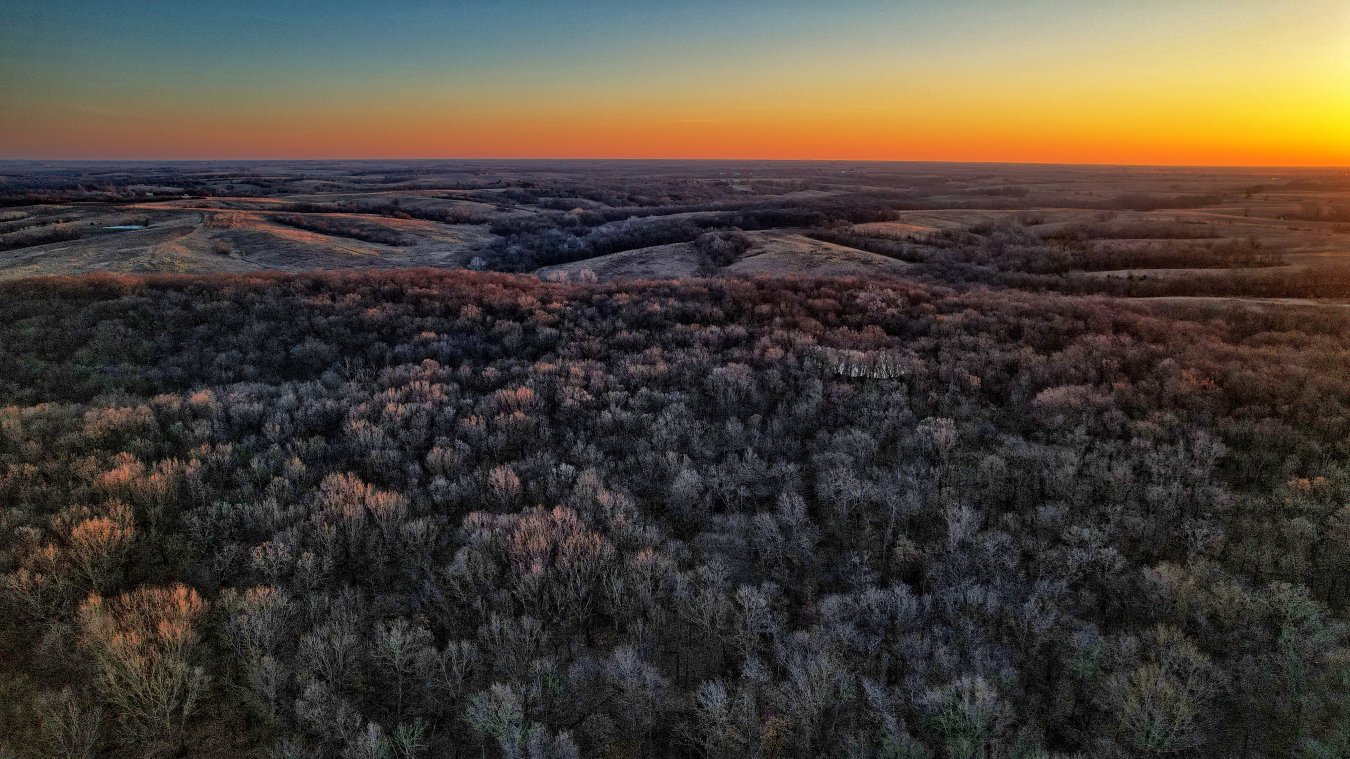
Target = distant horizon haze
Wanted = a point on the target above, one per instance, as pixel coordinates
(281, 159)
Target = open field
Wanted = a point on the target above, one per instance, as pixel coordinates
(1265, 233)
(777, 252)
(1258, 304)
(671, 261)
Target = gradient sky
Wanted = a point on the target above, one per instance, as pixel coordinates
(1234, 82)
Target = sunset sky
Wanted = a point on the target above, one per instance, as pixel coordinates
(1235, 82)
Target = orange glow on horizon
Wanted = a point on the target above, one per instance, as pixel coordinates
(1249, 93)
(800, 136)
(1283, 128)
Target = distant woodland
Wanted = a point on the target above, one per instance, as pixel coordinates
(433, 513)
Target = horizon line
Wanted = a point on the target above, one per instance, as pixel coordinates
(630, 159)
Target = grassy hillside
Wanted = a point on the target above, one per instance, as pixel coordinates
(1267, 233)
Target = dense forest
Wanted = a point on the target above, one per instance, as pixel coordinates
(454, 514)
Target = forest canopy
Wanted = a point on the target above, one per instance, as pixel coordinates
(452, 514)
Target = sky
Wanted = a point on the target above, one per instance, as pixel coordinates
(1192, 82)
